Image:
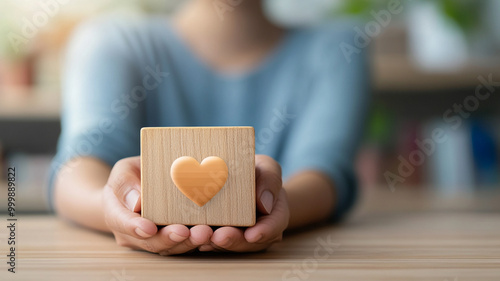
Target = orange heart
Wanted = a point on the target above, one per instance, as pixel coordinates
(199, 182)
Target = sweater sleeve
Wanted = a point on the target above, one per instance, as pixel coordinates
(327, 130)
(101, 113)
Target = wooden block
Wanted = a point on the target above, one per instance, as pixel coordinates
(213, 167)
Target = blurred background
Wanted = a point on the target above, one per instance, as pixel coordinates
(435, 65)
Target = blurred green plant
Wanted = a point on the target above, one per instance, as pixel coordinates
(360, 8)
(380, 125)
(9, 26)
(465, 13)
(14, 13)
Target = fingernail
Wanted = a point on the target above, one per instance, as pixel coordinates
(141, 233)
(267, 200)
(131, 199)
(176, 237)
(206, 248)
(227, 242)
(259, 237)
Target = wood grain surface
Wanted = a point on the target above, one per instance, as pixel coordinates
(163, 203)
(405, 235)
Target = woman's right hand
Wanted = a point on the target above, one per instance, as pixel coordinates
(122, 205)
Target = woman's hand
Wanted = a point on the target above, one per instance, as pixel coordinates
(121, 200)
(273, 207)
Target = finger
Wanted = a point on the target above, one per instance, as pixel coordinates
(268, 182)
(270, 228)
(125, 182)
(199, 235)
(227, 237)
(122, 220)
(206, 248)
(165, 239)
(233, 239)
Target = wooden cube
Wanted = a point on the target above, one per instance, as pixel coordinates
(220, 191)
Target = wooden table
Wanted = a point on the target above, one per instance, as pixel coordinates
(405, 235)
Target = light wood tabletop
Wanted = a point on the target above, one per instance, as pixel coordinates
(403, 235)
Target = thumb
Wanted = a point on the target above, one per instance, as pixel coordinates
(268, 181)
(125, 183)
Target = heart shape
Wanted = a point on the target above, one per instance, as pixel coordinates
(199, 182)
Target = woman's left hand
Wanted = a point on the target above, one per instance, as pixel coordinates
(271, 204)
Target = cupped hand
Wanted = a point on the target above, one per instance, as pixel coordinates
(121, 200)
(273, 218)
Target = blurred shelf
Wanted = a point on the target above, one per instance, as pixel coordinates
(29, 104)
(28, 198)
(407, 197)
(392, 73)
(397, 73)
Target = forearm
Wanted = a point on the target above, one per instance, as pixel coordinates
(78, 192)
(78, 195)
(311, 198)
